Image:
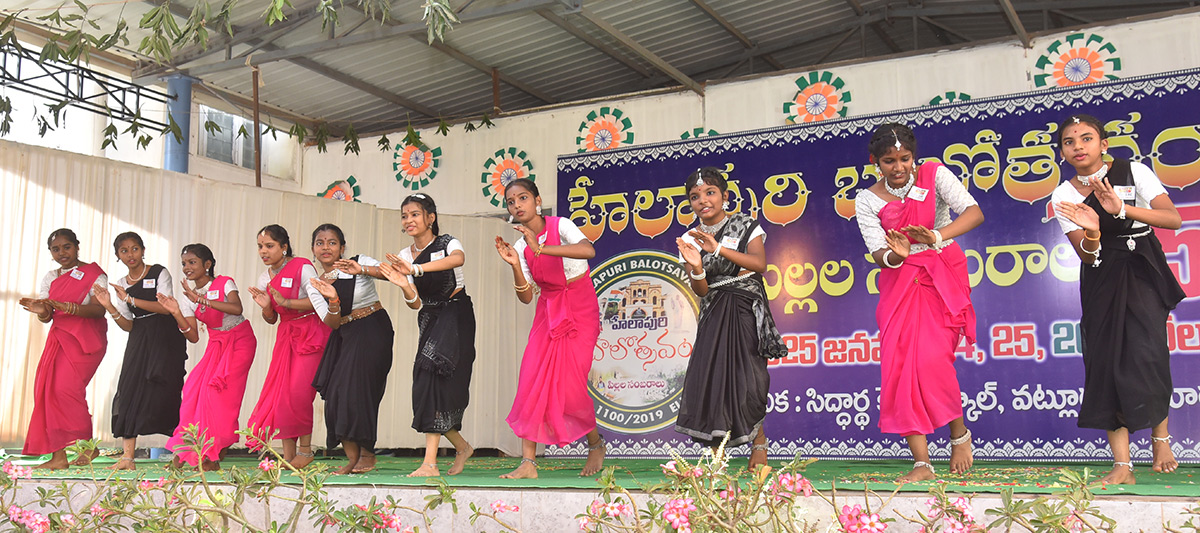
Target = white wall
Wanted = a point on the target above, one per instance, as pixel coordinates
(1146, 47)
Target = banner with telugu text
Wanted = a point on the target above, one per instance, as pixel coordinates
(1022, 382)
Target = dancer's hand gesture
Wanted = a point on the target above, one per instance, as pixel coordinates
(400, 265)
(920, 234)
(36, 306)
(530, 237)
(260, 297)
(689, 253)
(394, 275)
(1081, 214)
(707, 241)
(348, 266)
(168, 302)
(324, 287)
(100, 293)
(190, 293)
(898, 243)
(507, 252)
(1107, 196)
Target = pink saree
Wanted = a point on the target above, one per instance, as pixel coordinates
(74, 348)
(286, 402)
(924, 310)
(552, 405)
(213, 392)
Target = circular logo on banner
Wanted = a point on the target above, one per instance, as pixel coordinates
(647, 325)
(415, 165)
(500, 169)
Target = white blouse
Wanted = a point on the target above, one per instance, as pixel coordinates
(568, 233)
(950, 195)
(44, 286)
(307, 272)
(228, 321)
(162, 285)
(1145, 183)
(451, 247)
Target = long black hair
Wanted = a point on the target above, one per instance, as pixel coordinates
(203, 253)
(427, 204)
(886, 137)
(279, 235)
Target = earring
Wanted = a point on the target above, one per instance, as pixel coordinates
(725, 205)
(1104, 152)
(1061, 160)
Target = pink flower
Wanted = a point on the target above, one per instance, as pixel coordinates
(68, 519)
(676, 512)
(146, 484)
(849, 517)
(499, 506)
(266, 465)
(585, 523)
(14, 513)
(669, 467)
(617, 509)
(17, 472)
(871, 523)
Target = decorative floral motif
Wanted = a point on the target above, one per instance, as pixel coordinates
(415, 165)
(697, 132)
(604, 129)
(500, 169)
(345, 190)
(820, 98)
(1080, 58)
(949, 97)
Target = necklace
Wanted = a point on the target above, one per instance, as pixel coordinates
(275, 271)
(73, 267)
(417, 251)
(330, 274)
(713, 229)
(1097, 175)
(900, 192)
(145, 268)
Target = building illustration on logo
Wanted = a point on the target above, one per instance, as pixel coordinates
(641, 300)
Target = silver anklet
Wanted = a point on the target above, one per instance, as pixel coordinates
(965, 438)
(530, 461)
(1161, 439)
(759, 447)
(599, 444)
(920, 464)
(1126, 464)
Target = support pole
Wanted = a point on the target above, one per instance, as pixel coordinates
(179, 107)
(257, 133)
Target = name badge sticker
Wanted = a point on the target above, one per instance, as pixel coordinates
(542, 239)
(77, 274)
(437, 255)
(286, 282)
(918, 193)
(149, 283)
(212, 295)
(729, 242)
(1125, 192)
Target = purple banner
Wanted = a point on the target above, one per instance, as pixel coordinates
(1022, 383)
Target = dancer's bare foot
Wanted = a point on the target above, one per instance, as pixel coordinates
(124, 463)
(460, 460)
(1164, 457)
(303, 459)
(365, 463)
(346, 469)
(758, 456)
(595, 458)
(86, 458)
(961, 456)
(526, 470)
(427, 470)
(1121, 474)
(56, 462)
(210, 466)
(921, 471)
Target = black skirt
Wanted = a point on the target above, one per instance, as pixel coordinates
(726, 385)
(352, 377)
(1127, 370)
(149, 389)
(441, 392)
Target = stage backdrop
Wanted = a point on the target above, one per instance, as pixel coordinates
(1022, 382)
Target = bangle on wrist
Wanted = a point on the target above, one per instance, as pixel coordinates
(1086, 236)
(887, 263)
(698, 275)
(414, 299)
(937, 243)
(717, 251)
(1121, 214)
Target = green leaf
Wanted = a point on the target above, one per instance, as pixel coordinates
(6, 114)
(443, 128)
(411, 137)
(211, 127)
(172, 127)
(329, 14)
(351, 140)
(438, 17)
(486, 121)
(242, 132)
(299, 132)
(274, 12)
(469, 127)
(384, 144)
(321, 136)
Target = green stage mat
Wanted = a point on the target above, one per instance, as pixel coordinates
(482, 472)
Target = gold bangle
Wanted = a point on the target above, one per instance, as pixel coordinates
(539, 250)
(1085, 235)
(522, 288)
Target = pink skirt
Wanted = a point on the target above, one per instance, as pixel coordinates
(60, 408)
(213, 392)
(286, 403)
(552, 405)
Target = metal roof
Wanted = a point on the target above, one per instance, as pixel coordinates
(382, 76)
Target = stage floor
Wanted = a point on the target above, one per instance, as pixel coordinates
(483, 472)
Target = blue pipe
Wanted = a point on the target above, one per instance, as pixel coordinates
(179, 107)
